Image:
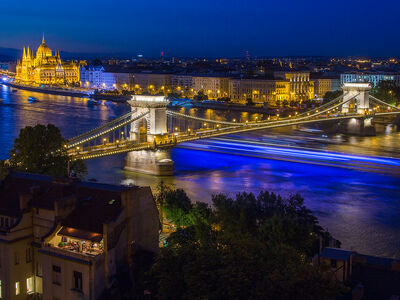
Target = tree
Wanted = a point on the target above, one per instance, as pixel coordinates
(160, 197)
(200, 96)
(387, 91)
(177, 207)
(42, 149)
(329, 96)
(4, 169)
(250, 247)
(249, 101)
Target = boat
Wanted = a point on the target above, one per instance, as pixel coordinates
(92, 101)
(32, 99)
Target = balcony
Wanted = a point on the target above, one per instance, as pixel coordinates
(88, 255)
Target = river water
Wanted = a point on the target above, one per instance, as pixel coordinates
(352, 184)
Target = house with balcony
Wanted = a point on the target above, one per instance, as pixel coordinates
(68, 239)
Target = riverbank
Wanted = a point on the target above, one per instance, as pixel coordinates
(66, 92)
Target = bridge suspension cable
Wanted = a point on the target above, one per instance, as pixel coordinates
(101, 133)
(323, 105)
(382, 102)
(299, 118)
(112, 122)
(176, 114)
(307, 114)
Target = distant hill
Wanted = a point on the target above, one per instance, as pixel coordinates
(9, 54)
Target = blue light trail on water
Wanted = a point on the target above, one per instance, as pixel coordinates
(298, 154)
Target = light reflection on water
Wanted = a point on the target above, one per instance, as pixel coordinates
(362, 209)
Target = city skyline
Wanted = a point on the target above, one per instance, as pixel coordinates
(221, 29)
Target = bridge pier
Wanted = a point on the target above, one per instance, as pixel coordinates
(152, 162)
(362, 127)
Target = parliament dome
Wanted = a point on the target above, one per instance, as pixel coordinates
(43, 50)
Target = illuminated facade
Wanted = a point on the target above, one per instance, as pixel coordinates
(373, 78)
(213, 87)
(46, 68)
(286, 87)
(324, 85)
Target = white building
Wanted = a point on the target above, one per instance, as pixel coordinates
(92, 76)
(373, 79)
(96, 77)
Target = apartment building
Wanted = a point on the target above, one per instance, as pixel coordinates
(151, 83)
(324, 85)
(213, 86)
(182, 84)
(66, 239)
(373, 78)
(259, 91)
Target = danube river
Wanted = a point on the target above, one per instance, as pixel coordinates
(351, 184)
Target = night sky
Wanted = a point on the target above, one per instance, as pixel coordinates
(206, 28)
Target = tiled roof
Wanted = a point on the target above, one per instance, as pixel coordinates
(97, 203)
(93, 212)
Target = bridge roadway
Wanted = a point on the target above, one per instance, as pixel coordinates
(175, 138)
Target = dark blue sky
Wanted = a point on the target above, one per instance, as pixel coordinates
(220, 28)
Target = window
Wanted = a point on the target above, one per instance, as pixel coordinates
(333, 263)
(77, 284)
(16, 258)
(56, 275)
(39, 271)
(28, 254)
(29, 285)
(37, 232)
(17, 289)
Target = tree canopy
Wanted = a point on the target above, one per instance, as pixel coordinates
(42, 149)
(329, 96)
(387, 91)
(250, 247)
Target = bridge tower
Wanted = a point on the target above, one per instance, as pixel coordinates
(155, 120)
(147, 129)
(359, 90)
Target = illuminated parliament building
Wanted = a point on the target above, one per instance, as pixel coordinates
(46, 68)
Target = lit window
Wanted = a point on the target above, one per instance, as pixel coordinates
(17, 290)
(29, 285)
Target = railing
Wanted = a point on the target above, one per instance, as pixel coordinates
(102, 133)
(73, 254)
(321, 114)
(101, 127)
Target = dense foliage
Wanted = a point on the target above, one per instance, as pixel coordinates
(387, 91)
(331, 95)
(244, 248)
(41, 149)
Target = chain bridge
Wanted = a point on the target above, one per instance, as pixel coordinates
(149, 130)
